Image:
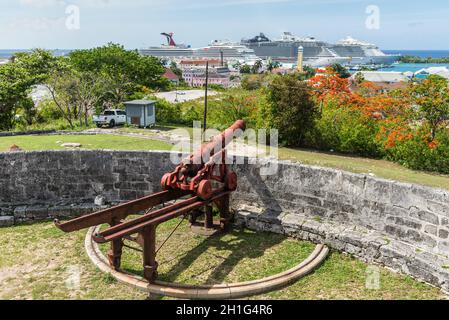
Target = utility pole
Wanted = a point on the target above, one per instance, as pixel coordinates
(205, 97)
(176, 99)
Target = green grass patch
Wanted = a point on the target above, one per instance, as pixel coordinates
(54, 142)
(165, 128)
(37, 259)
(379, 168)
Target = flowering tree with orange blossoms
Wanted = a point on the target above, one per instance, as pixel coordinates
(330, 85)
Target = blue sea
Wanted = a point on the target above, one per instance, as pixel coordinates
(420, 53)
(414, 67)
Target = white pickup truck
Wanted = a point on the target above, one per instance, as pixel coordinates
(110, 118)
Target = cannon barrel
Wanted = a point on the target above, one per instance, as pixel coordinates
(196, 172)
(217, 144)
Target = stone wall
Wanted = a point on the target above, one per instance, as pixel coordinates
(49, 184)
(415, 214)
(402, 226)
(399, 225)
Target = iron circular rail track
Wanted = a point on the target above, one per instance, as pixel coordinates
(220, 291)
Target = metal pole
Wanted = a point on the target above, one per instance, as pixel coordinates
(176, 99)
(205, 97)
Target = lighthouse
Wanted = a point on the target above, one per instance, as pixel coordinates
(300, 66)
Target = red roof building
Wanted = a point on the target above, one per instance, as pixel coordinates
(199, 63)
(170, 75)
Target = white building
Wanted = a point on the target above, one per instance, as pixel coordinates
(382, 76)
(439, 71)
(196, 76)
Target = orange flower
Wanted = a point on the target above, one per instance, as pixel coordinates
(433, 144)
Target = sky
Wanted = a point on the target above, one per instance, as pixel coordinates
(73, 24)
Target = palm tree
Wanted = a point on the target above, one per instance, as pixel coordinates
(273, 65)
(257, 66)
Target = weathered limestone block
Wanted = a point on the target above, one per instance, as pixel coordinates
(6, 221)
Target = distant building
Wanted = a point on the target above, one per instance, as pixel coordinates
(185, 64)
(141, 113)
(171, 76)
(384, 81)
(381, 76)
(196, 76)
(439, 71)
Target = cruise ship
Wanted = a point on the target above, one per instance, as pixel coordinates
(362, 52)
(169, 50)
(229, 50)
(217, 49)
(317, 53)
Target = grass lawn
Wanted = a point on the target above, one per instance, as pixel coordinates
(379, 168)
(53, 142)
(39, 265)
(150, 132)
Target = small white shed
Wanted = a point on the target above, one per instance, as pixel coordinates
(141, 113)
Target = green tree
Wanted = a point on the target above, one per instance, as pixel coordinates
(251, 82)
(359, 78)
(176, 70)
(37, 63)
(309, 72)
(125, 70)
(290, 109)
(245, 69)
(90, 91)
(257, 66)
(431, 96)
(273, 65)
(63, 86)
(76, 93)
(232, 106)
(15, 86)
(17, 79)
(341, 71)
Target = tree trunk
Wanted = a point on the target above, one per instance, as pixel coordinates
(86, 120)
(80, 115)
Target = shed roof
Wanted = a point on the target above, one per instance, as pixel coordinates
(140, 102)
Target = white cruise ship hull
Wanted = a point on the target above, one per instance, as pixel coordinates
(386, 60)
(325, 61)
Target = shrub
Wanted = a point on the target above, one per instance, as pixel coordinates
(252, 82)
(290, 109)
(420, 152)
(167, 112)
(234, 105)
(47, 111)
(345, 130)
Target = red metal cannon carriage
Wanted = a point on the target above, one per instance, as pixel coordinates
(198, 182)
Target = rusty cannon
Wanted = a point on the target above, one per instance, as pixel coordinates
(200, 182)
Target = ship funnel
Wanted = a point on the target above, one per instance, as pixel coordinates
(169, 37)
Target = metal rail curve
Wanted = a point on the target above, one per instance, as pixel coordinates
(210, 292)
